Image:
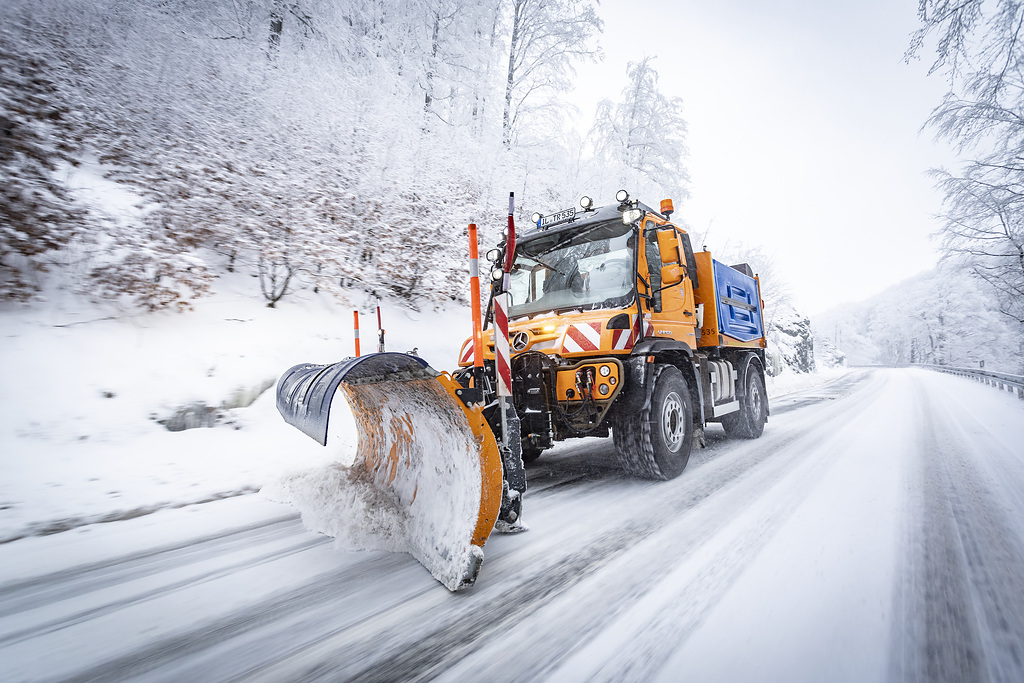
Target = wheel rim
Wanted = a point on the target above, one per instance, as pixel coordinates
(755, 400)
(673, 427)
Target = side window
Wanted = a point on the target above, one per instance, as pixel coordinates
(653, 263)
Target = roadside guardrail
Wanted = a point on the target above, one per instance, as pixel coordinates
(1004, 382)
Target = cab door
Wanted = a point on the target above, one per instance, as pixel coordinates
(671, 305)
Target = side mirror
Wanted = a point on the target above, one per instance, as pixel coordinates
(668, 246)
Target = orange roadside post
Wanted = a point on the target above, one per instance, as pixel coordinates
(474, 297)
(355, 315)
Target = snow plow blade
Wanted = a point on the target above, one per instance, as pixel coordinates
(433, 457)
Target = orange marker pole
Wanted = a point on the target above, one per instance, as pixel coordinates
(474, 297)
(355, 315)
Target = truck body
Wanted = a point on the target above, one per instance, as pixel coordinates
(606, 301)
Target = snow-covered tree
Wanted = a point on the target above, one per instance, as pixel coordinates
(980, 48)
(546, 37)
(643, 137)
(984, 229)
(37, 213)
(945, 317)
(314, 145)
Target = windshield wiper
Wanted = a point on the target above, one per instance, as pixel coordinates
(561, 243)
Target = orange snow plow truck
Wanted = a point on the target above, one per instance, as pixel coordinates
(601, 320)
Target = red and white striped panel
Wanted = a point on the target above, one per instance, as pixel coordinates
(623, 340)
(501, 350)
(580, 337)
(648, 327)
(466, 354)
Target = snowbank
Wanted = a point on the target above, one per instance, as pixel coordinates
(86, 388)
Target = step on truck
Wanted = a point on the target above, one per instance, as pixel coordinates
(600, 320)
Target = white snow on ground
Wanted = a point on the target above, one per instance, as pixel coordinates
(83, 389)
(109, 198)
(790, 382)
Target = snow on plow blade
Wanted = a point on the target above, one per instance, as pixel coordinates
(434, 458)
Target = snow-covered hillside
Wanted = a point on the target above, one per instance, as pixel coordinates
(944, 316)
(86, 392)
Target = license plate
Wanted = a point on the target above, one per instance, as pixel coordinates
(560, 217)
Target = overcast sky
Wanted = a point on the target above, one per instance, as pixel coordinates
(804, 131)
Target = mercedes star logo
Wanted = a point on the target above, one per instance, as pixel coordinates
(520, 341)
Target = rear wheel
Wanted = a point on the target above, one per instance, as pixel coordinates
(748, 421)
(655, 443)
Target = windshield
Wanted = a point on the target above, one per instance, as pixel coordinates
(591, 268)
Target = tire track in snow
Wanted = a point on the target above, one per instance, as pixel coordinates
(842, 386)
(962, 604)
(588, 610)
(526, 577)
(366, 651)
(18, 596)
(645, 632)
(293, 545)
(324, 589)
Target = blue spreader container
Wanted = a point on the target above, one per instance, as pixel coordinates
(739, 306)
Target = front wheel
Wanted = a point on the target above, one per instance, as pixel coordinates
(748, 421)
(531, 453)
(655, 443)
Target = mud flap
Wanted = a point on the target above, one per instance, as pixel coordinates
(433, 457)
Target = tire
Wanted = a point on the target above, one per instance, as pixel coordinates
(748, 421)
(655, 443)
(530, 454)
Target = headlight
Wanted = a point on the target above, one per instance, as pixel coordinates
(493, 255)
(586, 203)
(605, 370)
(622, 196)
(496, 274)
(536, 219)
(603, 389)
(630, 216)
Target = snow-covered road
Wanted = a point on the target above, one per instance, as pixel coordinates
(875, 532)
